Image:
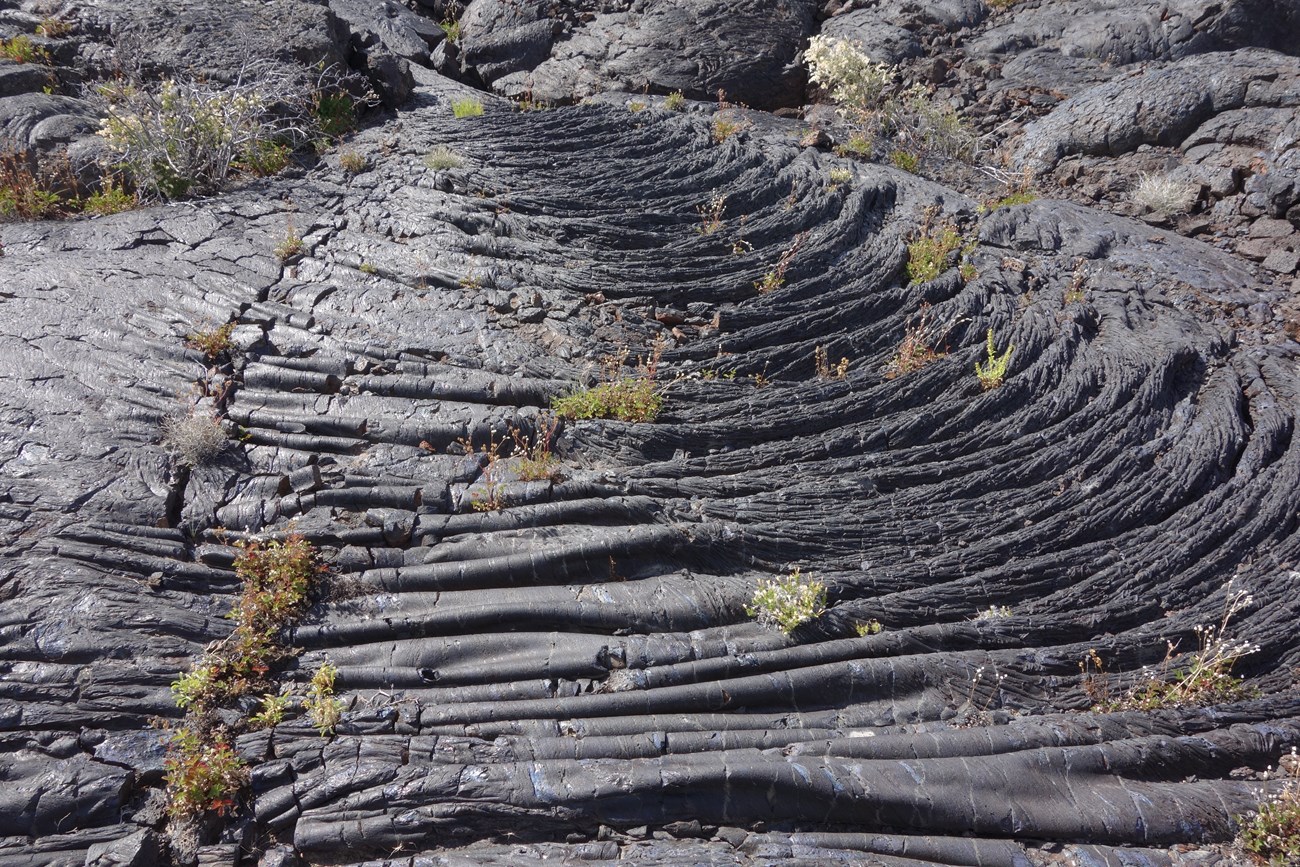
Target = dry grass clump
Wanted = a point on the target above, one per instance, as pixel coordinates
(194, 439)
(1161, 195)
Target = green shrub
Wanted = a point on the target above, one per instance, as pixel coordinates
(202, 774)
(929, 252)
(335, 112)
(467, 107)
(21, 49)
(111, 198)
(272, 713)
(212, 342)
(905, 160)
(625, 399)
(263, 158)
(620, 396)
(992, 373)
(870, 627)
(787, 603)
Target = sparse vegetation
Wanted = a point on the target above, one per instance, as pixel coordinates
(194, 439)
(620, 396)
(918, 347)
(272, 713)
(932, 249)
(994, 371)
(468, 106)
(335, 112)
(724, 129)
(1273, 832)
(535, 460)
(905, 160)
(1075, 294)
(202, 771)
(488, 458)
(21, 49)
(323, 709)
(212, 342)
(787, 603)
(1204, 678)
(111, 198)
(1161, 195)
(711, 214)
(858, 144)
(824, 368)
(291, 245)
(774, 278)
(53, 28)
(202, 774)
(352, 162)
(443, 157)
(1022, 197)
(675, 101)
(48, 192)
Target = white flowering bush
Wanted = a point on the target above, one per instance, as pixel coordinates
(789, 602)
(187, 136)
(876, 105)
(851, 78)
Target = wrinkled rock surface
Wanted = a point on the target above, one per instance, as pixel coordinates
(574, 677)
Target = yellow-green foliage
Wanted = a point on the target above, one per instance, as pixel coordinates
(467, 107)
(626, 399)
(21, 49)
(905, 160)
(212, 342)
(789, 602)
(994, 371)
(323, 709)
(110, 199)
(929, 252)
(620, 396)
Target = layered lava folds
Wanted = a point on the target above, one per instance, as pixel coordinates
(574, 674)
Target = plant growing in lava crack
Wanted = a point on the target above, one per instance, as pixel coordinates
(788, 602)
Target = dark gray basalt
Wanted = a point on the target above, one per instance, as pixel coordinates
(574, 678)
(563, 52)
